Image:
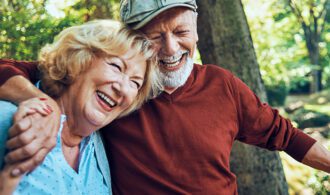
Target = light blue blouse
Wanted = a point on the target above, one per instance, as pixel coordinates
(54, 175)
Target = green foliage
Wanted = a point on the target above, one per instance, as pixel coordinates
(320, 183)
(280, 45)
(98, 9)
(300, 85)
(300, 80)
(277, 93)
(26, 26)
(309, 118)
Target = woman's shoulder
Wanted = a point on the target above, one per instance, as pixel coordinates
(7, 107)
(7, 110)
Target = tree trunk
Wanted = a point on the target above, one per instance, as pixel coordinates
(225, 40)
(312, 32)
(316, 85)
(314, 56)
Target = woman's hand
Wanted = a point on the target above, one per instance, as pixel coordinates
(33, 134)
(31, 106)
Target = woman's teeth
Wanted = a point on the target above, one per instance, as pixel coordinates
(106, 99)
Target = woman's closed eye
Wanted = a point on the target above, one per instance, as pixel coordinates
(116, 66)
(135, 84)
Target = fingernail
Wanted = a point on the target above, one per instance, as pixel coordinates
(15, 172)
(46, 110)
(42, 99)
(49, 108)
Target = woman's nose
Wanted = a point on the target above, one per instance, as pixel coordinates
(121, 86)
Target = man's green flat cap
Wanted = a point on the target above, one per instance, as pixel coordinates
(137, 13)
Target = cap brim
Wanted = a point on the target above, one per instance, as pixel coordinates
(153, 15)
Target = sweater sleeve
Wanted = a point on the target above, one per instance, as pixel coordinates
(263, 126)
(10, 68)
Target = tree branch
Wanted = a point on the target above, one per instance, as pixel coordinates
(296, 11)
(324, 9)
(314, 20)
(324, 12)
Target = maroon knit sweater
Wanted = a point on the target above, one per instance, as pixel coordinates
(181, 143)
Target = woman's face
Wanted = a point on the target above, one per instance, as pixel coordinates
(105, 90)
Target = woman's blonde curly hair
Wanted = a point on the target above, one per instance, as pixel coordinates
(75, 48)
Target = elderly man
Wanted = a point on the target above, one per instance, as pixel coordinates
(179, 142)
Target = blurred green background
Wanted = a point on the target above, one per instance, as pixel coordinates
(280, 36)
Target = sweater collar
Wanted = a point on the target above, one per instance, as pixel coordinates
(179, 91)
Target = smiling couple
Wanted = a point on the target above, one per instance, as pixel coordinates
(178, 142)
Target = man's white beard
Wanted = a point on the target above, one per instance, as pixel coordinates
(175, 79)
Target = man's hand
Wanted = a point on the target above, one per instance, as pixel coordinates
(33, 134)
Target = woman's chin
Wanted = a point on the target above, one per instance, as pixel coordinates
(96, 119)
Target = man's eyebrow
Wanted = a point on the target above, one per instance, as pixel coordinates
(183, 25)
(153, 32)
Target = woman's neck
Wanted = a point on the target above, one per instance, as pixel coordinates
(70, 141)
(71, 155)
(69, 137)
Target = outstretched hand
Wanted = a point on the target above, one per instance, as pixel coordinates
(33, 134)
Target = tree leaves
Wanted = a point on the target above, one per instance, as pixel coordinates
(26, 26)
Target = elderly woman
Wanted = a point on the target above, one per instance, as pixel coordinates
(96, 72)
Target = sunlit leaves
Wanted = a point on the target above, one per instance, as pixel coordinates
(280, 42)
(25, 27)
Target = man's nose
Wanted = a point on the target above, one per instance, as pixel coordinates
(170, 45)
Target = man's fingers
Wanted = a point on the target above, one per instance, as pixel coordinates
(22, 139)
(20, 126)
(22, 153)
(33, 136)
(20, 113)
(30, 164)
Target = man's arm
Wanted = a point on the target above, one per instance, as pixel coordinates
(8, 183)
(318, 157)
(270, 130)
(10, 68)
(17, 89)
(33, 136)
